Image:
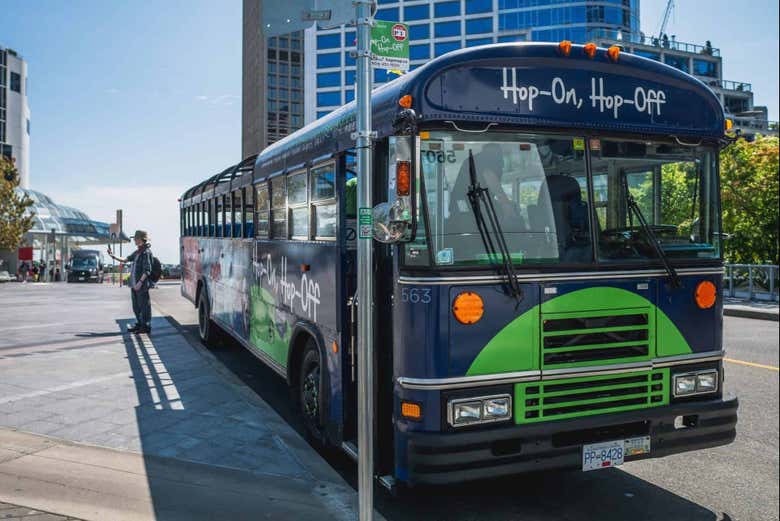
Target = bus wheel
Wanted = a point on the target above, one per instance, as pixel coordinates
(309, 390)
(206, 327)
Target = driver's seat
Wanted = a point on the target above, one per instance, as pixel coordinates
(571, 218)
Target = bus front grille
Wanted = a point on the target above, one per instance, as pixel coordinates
(619, 336)
(585, 396)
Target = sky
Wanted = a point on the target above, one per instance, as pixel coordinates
(132, 102)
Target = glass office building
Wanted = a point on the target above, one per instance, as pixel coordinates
(438, 27)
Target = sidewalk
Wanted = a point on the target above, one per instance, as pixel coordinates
(99, 424)
(751, 309)
(9, 512)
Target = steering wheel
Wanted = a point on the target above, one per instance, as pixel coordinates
(620, 242)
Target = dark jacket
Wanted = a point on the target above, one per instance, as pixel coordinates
(142, 264)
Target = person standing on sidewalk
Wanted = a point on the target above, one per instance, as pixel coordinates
(140, 283)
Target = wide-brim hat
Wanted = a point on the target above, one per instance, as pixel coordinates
(142, 235)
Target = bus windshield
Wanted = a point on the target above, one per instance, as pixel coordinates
(83, 263)
(538, 185)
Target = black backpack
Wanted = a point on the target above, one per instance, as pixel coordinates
(156, 270)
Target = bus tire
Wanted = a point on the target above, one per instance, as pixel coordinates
(309, 390)
(207, 329)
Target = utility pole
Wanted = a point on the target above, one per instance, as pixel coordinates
(365, 260)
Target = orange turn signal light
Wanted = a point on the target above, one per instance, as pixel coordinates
(468, 308)
(405, 101)
(729, 124)
(403, 178)
(705, 294)
(614, 53)
(564, 47)
(411, 410)
(590, 49)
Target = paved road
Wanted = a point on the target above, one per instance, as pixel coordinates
(736, 482)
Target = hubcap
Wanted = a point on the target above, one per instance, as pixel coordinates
(311, 393)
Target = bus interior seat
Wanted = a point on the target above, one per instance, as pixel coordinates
(570, 214)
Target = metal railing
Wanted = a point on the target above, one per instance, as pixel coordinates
(757, 282)
(653, 41)
(739, 86)
(755, 124)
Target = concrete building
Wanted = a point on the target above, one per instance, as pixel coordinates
(436, 28)
(272, 100)
(15, 112)
(705, 63)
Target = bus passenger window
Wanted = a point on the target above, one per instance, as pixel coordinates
(237, 213)
(297, 201)
(220, 216)
(261, 197)
(249, 213)
(279, 208)
(228, 205)
(323, 182)
(323, 197)
(212, 217)
(197, 220)
(206, 217)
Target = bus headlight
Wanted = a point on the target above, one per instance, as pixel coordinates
(699, 382)
(480, 409)
(466, 412)
(496, 408)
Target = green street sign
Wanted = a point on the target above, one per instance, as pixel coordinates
(365, 223)
(390, 46)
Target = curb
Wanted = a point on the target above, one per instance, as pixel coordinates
(745, 312)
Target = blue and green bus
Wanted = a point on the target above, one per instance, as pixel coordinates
(548, 264)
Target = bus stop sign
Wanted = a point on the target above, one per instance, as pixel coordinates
(390, 46)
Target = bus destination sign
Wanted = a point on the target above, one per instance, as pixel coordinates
(573, 97)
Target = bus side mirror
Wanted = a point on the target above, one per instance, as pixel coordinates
(389, 225)
(395, 220)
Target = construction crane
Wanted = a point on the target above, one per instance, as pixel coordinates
(667, 14)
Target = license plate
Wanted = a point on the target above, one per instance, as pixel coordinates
(612, 453)
(81, 278)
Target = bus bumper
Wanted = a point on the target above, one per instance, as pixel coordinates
(439, 458)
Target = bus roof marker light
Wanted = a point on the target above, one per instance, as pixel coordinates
(706, 294)
(614, 53)
(405, 101)
(564, 47)
(590, 49)
(468, 308)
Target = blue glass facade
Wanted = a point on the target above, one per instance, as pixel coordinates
(441, 26)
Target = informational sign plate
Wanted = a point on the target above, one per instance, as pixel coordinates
(390, 46)
(365, 223)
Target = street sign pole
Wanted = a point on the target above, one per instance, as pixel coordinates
(119, 231)
(365, 261)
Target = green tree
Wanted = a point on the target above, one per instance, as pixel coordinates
(15, 217)
(750, 193)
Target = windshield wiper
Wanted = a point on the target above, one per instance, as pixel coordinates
(651, 237)
(479, 197)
